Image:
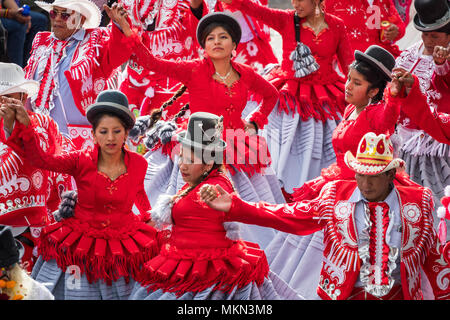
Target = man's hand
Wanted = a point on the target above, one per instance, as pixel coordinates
(215, 197)
(440, 54)
(118, 14)
(400, 78)
(391, 33)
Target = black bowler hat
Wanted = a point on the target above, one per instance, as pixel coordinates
(432, 15)
(379, 58)
(222, 18)
(204, 132)
(112, 101)
(11, 250)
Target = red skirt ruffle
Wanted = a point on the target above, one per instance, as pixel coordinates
(321, 102)
(194, 270)
(100, 254)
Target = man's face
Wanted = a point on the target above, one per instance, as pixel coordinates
(65, 22)
(375, 188)
(432, 39)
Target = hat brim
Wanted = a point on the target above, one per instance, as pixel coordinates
(86, 8)
(433, 27)
(359, 55)
(218, 146)
(219, 17)
(30, 87)
(371, 170)
(108, 107)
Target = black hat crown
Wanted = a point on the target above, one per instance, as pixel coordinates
(432, 15)
(112, 101)
(9, 248)
(379, 58)
(204, 130)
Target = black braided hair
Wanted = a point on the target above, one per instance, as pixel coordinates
(156, 114)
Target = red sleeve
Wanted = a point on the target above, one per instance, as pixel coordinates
(116, 51)
(395, 18)
(435, 267)
(382, 118)
(416, 108)
(66, 163)
(300, 218)
(268, 92)
(274, 18)
(441, 77)
(344, 52)
(142, 202)
(178, 70)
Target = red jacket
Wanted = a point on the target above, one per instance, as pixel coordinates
(416, 107)
(208, 95)
(420, 245)
(100, 53)
(104, 237)
(24, 187)
(320, 94)
(363, 22)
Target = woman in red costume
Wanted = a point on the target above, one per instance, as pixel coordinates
(371, 109)
(369, 22)
(100, 249)
(311, 91)
(218, 85)
(204, 257)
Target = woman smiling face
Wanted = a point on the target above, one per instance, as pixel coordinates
(219, 44)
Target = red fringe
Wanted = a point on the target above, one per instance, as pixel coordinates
(190, 270)
(109, 267)
(320, 102)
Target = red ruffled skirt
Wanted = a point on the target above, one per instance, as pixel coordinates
(318, 101)
(194, 270)
(106, 254)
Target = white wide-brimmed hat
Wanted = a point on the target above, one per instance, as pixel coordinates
(86, 8)
(374, 155)
(12, 80)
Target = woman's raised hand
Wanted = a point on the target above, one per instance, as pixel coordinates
(118, 14)
(440, 54)
(400, 78)
(215, 197)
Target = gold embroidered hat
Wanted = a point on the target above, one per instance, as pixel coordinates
(374, 155)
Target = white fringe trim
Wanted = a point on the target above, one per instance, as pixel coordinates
(161, 213)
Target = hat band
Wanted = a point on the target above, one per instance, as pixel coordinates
(441, 21)
(373, 161)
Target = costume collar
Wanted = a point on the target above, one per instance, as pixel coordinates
(357, 197)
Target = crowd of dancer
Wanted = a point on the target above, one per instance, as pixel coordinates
(170, 155)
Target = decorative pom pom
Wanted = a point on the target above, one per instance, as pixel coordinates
(441, 212)
(66, 208)
(447, 191)
(161, 212)
(141, 125)
(166, 132)
(233, 232)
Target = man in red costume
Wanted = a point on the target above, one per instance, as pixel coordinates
(379, 241)
(76, 61)
(27, 194)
